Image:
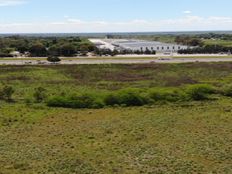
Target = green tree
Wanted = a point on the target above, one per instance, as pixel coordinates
(68, 50)
(54, 50)
(38, 50)
(53, 59)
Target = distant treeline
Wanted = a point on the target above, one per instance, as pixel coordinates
(208, 49)
(81, 46)
(200, 47)
(41, 47)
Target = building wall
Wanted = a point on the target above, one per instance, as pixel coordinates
(136, 45)
(160, 48)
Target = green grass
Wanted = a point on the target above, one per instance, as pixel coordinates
(98, 78)
(181, 138)
(166, 137)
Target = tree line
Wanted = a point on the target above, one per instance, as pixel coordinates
(42, 47)
(208, 49)
(52, 46)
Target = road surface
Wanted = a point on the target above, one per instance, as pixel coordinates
(115, 61)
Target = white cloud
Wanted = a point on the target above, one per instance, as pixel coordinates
(187, 12)
(11, 2)
(70, 25)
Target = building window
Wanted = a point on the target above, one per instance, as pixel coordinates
(179, 48)
(162, 48)
(168, 48)
(158, 48)
(173, 48)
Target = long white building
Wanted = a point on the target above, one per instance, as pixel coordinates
(137, 45)
(149, 45)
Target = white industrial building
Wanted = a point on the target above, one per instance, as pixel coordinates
(137, 45)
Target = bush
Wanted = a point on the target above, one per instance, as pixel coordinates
(126, 97)
(199, 92)
(130, 97)
(111, 100)
(227, 91)
(82, 101)
(6, 93)
(39, 94)
(169, 95)
(53, 59)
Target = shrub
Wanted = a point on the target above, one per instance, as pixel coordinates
(131, 97)
(6, 93)
(58, 101)
(227, 91)
(39, 94)
(111, 100)
(199, 91)
(81, 101)
(53, 59)
(169, 95)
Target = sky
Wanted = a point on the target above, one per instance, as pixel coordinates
(87, 16)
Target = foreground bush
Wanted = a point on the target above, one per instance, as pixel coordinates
(6, 93)
(126, 97)
(132, 97)
(39, 94)
(199, 91)
(227, 91)
(82, 101)
(111, 100)
(169, 95)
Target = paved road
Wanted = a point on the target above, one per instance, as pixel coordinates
(115, 61)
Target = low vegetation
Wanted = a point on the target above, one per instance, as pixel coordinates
(146, 118)
(133, 97)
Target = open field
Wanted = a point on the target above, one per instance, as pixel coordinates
(165, 137)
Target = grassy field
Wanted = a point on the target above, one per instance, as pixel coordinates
(179, 137)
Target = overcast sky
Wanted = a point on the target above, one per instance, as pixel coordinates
(61, 16)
